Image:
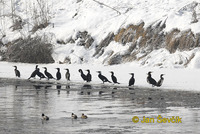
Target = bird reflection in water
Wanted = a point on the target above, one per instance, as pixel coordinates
(86, 86)
(58, 87)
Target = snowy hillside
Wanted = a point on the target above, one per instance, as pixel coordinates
(162, 33)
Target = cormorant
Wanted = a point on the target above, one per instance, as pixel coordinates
(88, 76)
(49, 76)
(44, 117)
(39, 74)
(58, 74)
(34, 73)
(114, 79)
(159, 83)
(132, 80)
(17, 73)
(103, 78)
(150, 80)
(84, 116)
(74, 116)
(67, 74)
(84, 77)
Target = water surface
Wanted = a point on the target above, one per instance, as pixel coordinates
(110, 109)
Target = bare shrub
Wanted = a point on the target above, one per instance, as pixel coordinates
(30, 50)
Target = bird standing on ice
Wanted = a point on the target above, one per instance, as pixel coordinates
(132, 80)
(17, 73)
(150, 80)
(159, 83)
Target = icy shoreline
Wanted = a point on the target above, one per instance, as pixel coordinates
(174, 79)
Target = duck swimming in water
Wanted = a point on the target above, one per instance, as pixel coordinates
(84, 116)
(74, 116)
(44, 117)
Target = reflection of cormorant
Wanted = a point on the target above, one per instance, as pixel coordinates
(159, 83)
(39, 74)
(132, 80)
(37, 86)
(34, 73)
(58, 86)
(150, 80)
(67, 86)
(114, 79)
(103, 78)
(58, 74)
(88, 76)
(84, 77)
(17, 73)
(49, 76)
(86, 86)
(67, 75)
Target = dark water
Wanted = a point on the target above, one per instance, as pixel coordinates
(110, 109)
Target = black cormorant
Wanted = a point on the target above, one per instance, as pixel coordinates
(34, 73)
(132, 80)
(103, 78)
(84, 77)
(150, 80)
(49, 76)
(114, 79)
(39, 74)
(17, 73)
(58, 74)
(159, 83)
(67, 74)
(88, 76)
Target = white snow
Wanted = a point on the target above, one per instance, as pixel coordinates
(99, 18)
(174, 79)
(71, 16)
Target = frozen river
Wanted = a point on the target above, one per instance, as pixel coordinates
(110, 109)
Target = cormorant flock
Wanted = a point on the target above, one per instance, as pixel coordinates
(88, 76)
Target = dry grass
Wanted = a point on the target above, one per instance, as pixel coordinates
(30, 50)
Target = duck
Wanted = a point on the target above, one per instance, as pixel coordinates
(44, 117)
(74, 116)
(84, 116)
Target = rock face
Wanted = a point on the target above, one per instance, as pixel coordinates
(145, 40)
(81, 39)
